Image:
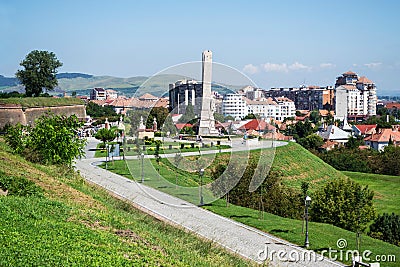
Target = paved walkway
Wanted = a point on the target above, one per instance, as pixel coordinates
(239, 238)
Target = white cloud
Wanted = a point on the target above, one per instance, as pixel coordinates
(270, 67)
(373, 65)
(299, 66)
(326, 65)
(250, 69)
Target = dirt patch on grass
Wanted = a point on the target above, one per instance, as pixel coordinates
(53, 188)
(130, 236)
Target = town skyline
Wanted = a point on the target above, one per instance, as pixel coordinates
(275, 44)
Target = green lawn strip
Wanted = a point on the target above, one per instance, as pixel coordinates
(386, 188)
(164, 180)
(130, 149)
(64, 231)
(27, 102)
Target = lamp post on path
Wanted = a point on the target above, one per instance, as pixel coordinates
(307, 203)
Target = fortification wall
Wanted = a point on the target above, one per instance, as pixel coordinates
(13, 114)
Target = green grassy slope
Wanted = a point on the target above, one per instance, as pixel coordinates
(75, 224)
(386, 188)
(297, 164)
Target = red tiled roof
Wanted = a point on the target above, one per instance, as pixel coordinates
(349, 73)
(180, 126)
(384, 136)
(364, 80)
(257, 125)
(365, 128)
(99, 102)
(148, 97)
(393, 105)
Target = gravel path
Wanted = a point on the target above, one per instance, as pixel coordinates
(239, 238)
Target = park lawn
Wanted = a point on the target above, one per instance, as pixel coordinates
(322, 236)
(164, 149)
(163, 177)
(386, 188)
(76, 224)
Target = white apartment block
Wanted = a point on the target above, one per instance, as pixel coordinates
(234, 105)
(354, 96)
(238, 106)
(286, 108)
(266, 108)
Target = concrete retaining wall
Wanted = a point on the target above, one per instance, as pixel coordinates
(13, 115)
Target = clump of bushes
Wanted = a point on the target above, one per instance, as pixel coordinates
(387, 228)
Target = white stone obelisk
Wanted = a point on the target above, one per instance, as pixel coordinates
(207, 122)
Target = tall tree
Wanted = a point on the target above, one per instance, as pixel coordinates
(106, 135)
(40, 69)
(344, 203)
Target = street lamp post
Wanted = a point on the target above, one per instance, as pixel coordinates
(142, 157)
(201, 173)
(307, 203)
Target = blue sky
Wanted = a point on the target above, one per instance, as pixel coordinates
(276, 43)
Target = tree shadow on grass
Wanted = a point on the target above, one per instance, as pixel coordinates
(279, 231)
(240, 216)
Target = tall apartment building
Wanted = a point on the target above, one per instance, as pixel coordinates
(183, 92)
(306, 97)
(239, 106)
(354, 96)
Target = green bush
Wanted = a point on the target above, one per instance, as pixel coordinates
(343, 203)
(53, 139)
(387, 228)
(19, 186)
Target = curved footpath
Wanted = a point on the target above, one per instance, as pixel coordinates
(246, 241)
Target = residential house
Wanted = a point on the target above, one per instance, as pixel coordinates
(259, 126)
(334, 133)
(383, 138)
(364, 130)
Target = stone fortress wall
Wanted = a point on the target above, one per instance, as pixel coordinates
(13, 114)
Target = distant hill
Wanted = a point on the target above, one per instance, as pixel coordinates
(73, 75)
(81, 83)
(5, 81)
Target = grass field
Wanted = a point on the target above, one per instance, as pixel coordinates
(76, 224)
(298, 165)
(27, 102)
(386, 188)
(308, 168)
